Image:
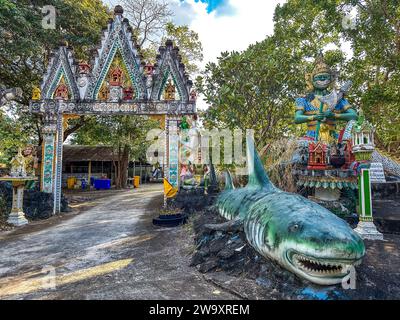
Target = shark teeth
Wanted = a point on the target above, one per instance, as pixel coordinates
(319, 267)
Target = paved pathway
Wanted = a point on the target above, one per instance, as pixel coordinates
(111, 251)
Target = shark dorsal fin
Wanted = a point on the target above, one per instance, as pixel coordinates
(228, 181)
(257, 175)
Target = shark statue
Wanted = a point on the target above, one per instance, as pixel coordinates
(302, 236)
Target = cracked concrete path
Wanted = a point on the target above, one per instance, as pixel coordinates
(111, 251)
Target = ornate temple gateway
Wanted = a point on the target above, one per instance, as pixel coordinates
(115, 82)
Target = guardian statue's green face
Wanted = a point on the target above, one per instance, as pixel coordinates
(322, 81)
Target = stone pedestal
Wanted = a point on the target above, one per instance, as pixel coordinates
(366, 228)
(17, 219)
(17, 215)
(368, 231)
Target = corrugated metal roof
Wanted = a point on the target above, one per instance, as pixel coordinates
(88, 153)
(84, 153)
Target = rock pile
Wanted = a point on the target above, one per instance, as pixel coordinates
(37, 205)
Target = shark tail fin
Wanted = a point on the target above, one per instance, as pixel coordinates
(228, 181)
(258, 177)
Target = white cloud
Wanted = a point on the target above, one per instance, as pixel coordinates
(184, 12)
(252, 22)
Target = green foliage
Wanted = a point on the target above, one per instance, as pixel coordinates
(189, 45)
(117, 132)
(256, 88)
(12, 136)
(25, 49)
(25, 45)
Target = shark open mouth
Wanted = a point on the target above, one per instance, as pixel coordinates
(320, 268)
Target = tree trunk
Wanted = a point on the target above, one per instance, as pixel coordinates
(124, 167)
(117, 166)
(121, 168)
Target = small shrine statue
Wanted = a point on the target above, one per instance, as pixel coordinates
(84, 67)
(116, 73)
(18, 166)
(320, 109)
(31, 160)
(128, 93)
(170, 90)
(104, 93)
(193, 95)
(184, 125)
(187, 175)
(36, 93)
(61, 92)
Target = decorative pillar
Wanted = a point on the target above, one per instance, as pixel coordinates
(171, 165)
(53, 138)
(48, 153)
(366, 228)
(17, 215)
(58, 162)
(173, 153)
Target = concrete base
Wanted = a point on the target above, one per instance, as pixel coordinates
(17, 219)
(368, 231)
(327, 194)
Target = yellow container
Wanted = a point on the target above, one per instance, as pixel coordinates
(71, 182)
(136, 181)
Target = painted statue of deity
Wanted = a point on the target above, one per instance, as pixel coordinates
(321, 109)
(18, 166)
(31, 160)
(170, 91)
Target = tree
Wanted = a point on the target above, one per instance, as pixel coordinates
(25, 46)
(12, 136)
(148, 18)
(152, 24)
(189, 44)
(254, 89)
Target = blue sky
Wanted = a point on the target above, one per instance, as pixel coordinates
(212, 4)
(221, 7)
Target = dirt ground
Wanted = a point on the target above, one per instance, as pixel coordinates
(110, 250)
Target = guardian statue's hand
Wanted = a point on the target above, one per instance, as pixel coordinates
(329, 114)
(319, 117)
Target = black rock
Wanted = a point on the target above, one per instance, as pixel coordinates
(217, 245)
(37, 205)
(226, 253)
(191, 201)
(208, 265)
(197, 259)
